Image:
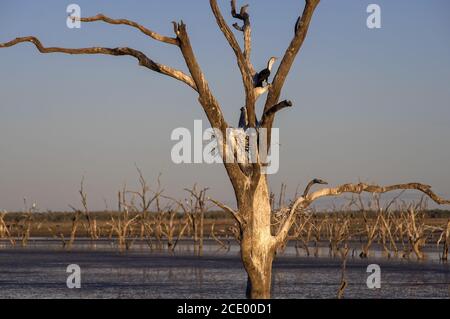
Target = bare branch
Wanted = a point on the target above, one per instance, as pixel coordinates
(247, 76)
(148, 32)
(124, 51)
(228, 209)
(246, 29)
(271, 111)
(242, 15)
(361, 187)
(304, 202)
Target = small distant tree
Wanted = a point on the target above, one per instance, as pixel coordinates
(259, 241)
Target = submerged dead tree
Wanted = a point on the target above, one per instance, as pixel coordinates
(258, 241)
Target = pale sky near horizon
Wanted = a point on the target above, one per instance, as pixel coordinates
(369, 105)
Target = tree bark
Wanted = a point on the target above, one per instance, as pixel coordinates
(257, 243)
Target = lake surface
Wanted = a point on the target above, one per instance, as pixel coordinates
(39, 271)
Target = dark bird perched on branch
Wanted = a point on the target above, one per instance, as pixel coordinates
(264, 75)
(243, 119)
(243, 125)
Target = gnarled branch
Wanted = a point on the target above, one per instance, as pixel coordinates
(247, 76)
(362, 187)
(246, 29)
(304, 202)
(144, 60)
(148, 32)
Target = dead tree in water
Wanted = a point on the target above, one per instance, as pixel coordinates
(77, 219)
(414, 220)
(194, 207)
(75, 223)
(5, 233)
(27, 222)
(445, 237)
(371, 233)
(172, 229)
(344, 283)
(121, 227)
(145, 199)
(253, 214)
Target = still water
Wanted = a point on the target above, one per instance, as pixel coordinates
(39, 271)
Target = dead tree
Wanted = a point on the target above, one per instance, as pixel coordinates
(371, 233)
(4, 229)
(73, 231)
(194, 208)
(78, 214)
(145, 201)
(344, 283)
(122, 227)
(197, 215)
(170, 226)
(414, 221)
(445, 237)
(253, 213)
(27, 222)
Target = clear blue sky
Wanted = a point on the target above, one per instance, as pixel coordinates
(370, 105)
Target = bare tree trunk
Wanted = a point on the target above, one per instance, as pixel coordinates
(257, 243)
(202, 222)
(73, 231)
(259, 281)
(446, 235)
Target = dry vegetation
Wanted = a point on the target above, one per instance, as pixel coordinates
(159, 222)
(398, 229)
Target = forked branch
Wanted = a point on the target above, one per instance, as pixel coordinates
(244, 16)
(247, 76)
